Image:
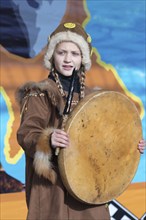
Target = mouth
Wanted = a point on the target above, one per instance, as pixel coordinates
(67, 67)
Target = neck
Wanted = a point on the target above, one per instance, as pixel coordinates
(65, 82)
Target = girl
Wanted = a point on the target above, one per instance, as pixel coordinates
(39, 135)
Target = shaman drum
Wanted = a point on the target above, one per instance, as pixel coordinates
(104, 130)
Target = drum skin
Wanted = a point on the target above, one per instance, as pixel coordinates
(102, 159)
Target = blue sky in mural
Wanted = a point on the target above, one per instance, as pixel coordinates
(118, 30)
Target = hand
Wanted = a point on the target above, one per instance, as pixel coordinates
(141, 146)
(59, 138)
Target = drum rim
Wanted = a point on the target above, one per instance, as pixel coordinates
(73, 115)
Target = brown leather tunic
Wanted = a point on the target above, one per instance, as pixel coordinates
(41, 106)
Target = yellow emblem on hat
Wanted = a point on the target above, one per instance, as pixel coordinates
(89, 39)
(70, 25)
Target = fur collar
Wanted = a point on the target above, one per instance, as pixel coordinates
(47, 86)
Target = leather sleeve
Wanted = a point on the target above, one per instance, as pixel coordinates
(34, 119)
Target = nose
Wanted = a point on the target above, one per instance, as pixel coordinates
(67, 57)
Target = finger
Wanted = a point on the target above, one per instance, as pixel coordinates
(143, 142)
(61, 132)
(61, 141)
(63, 137)
(141, 151)
(141, 148)
(60, 137)
(60, 144)
(141, 145)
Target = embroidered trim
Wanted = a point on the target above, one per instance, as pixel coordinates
(34, 94)
(24, 107)
(75, 102)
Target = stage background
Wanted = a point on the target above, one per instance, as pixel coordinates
(117, 29)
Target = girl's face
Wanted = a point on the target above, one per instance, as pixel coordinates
(67, 56)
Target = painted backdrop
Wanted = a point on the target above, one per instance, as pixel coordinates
(118, 36)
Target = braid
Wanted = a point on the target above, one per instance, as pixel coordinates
(82, 84)
(53, 99)
(58, 83)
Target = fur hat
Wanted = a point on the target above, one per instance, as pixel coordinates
(73, 32)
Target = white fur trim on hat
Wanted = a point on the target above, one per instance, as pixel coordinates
(68, 36)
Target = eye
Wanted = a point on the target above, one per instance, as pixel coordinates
(60, 52)
(75, 53)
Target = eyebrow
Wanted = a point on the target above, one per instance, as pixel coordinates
(60, 49)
